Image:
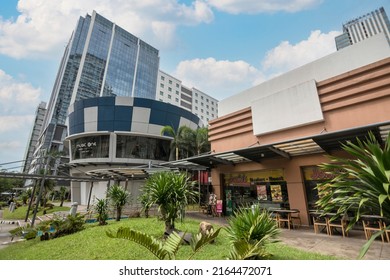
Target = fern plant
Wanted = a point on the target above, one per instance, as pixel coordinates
(164, 249)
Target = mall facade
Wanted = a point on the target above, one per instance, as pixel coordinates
(268, 141)
(118, 140)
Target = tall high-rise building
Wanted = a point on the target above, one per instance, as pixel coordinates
(363, 27)
(171, 90)
(33, 139)
(101, 59)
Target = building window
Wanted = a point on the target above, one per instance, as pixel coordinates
(177, 99)
(162, 85)
(177, 85)
(169, 89)
(142, 147)
(161, 93)
(170, 82)
(169, 96)
(90, 147)
(162, 78)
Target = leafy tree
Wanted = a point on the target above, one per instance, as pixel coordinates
(172, 192)
(119, 198)
(360, 183)
(249, 231)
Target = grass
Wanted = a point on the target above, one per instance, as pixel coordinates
(20, 212)
(93, 244)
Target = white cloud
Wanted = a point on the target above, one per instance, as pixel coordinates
(222, 78)
(260, 6)
(211, 75)
(16, 123)
(42, 29)
(18, 102)
(287, 56)
(16, 97)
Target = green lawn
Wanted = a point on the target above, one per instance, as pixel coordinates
(20, 212)
(93, 244)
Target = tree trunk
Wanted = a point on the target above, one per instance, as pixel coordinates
(169, 227)
(118, 213)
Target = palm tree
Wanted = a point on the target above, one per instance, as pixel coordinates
(63, 192)
(172, 192)
(360, 184)
(202, 143)
(170, 131)
(119, 197)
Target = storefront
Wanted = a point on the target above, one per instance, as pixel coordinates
(313, 177)
(266, 188)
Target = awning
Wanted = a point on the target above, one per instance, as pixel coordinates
(325, 142)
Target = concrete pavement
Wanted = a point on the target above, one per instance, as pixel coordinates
(304, 238)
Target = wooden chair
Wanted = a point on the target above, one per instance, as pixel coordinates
(387, 232)
(337, 223)
(285, 218)
(320, 223)
(296, 218)
(370, 226)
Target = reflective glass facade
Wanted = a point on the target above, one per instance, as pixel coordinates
(101, 59)
(121, 67)
(142, 147)
(90, 147)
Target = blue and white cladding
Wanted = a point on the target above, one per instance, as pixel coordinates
(139, 115)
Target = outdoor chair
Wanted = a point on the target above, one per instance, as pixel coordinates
(387, 232)
(320, 223)
(370, 226)
(296, 219)
(338, 223)
(284, 218)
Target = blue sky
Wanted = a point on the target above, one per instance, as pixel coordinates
(218, 46)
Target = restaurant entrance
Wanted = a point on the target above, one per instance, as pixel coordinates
(266, 188)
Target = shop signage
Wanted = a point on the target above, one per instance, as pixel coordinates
(85, 145)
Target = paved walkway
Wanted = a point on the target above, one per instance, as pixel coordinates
(304, 238)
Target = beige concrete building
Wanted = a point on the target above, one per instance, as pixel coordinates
(268, 140)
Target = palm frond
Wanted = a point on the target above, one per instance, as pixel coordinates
(154, 245)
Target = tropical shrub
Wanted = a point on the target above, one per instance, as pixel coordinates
(119, 197)
(360, 183)
(172, 192)
(101, 208)
(249, 231)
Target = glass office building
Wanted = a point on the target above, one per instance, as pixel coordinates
(101, 59)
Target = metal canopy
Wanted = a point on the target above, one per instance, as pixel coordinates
(326, 142)
(126, 173)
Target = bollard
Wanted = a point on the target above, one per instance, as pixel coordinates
(73, 209)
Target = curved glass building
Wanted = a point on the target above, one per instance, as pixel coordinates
(118, 133)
